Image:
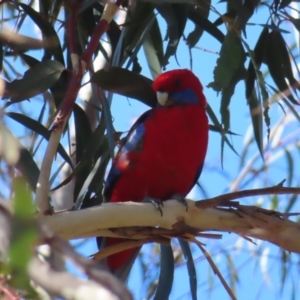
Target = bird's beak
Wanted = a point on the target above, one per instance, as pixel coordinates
(162, 98)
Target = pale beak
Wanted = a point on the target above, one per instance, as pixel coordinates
(162, 98)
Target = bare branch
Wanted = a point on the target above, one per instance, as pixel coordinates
(226, 198)
(248, 221)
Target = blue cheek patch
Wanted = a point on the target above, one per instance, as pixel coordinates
(186, 96)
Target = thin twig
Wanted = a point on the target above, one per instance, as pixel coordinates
(226, 198)
(215, 270)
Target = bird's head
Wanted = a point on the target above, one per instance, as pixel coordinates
(178, 87)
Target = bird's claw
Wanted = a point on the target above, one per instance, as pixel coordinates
(156, 202)
(180, 199)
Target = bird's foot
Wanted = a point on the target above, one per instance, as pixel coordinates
(156, 202)
(180, 199)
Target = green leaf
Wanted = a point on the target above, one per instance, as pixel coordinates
(24, 233)
(166, 275)
(41, 130)
(229, 63)
(126, 83)
(256, 117)
(35, 81)
(290, 162)
(49, 34)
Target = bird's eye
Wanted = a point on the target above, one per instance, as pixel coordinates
(177, 83)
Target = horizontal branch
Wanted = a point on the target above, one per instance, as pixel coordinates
(247, 221)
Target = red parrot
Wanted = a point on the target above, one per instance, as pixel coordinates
(163, 153)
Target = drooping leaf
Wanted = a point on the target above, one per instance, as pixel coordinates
(230, 62)
(166, 274)
(205, 24)
(133, 55)
(83, 130)
(190, 266)
(126, 83)
(93, 149)
(277, 71)
(60, 87)
(261, 83)
(290, 163)
(259, 53)
(136, 23)
(227, 93)
(41, 130)
(285, 59)
(195, 35)
(245, 12)
(49, 34)
(35, 81)
(175, 16)
(256, 117)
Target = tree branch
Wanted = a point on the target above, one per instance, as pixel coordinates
(247, 221)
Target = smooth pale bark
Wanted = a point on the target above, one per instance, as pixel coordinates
(248, 221)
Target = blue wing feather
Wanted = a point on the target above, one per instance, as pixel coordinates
(133, 141)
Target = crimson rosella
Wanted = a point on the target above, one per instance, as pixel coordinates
(163, 153)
